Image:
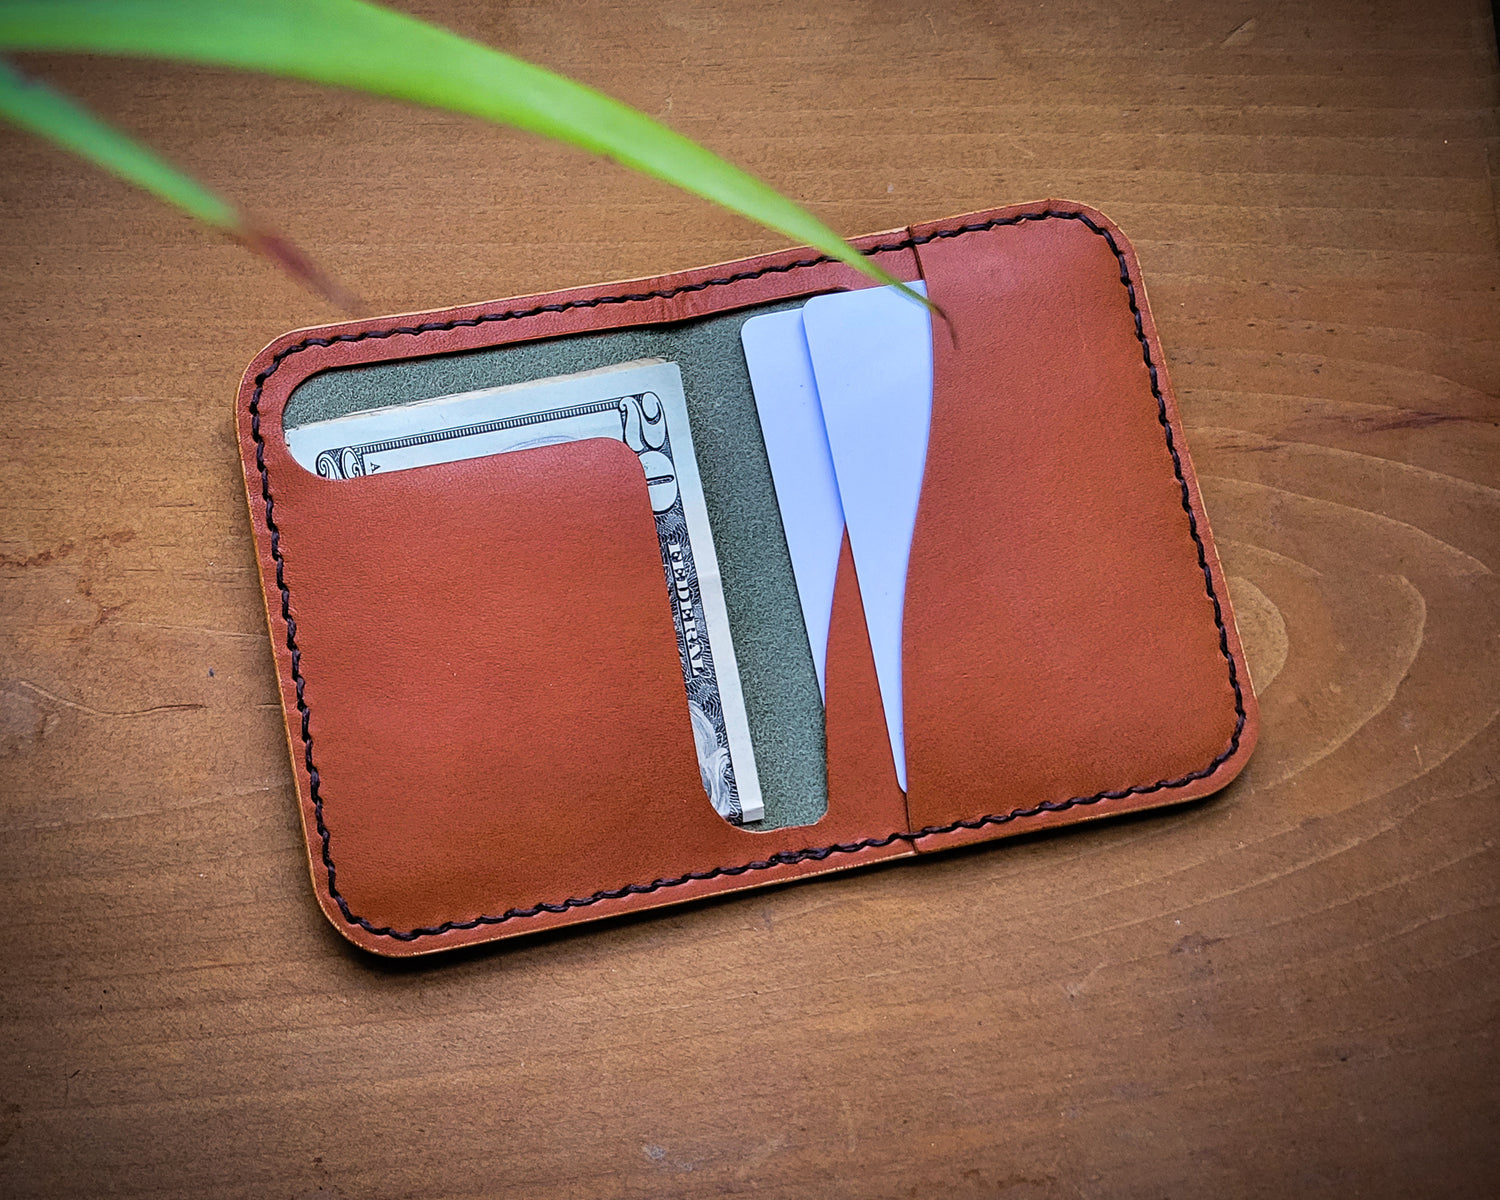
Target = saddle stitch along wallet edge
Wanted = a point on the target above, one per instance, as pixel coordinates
(1191, 721)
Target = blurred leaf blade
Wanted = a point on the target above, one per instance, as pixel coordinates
(37, 108)
(351, 43)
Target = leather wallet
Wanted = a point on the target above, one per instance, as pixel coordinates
(478, 665)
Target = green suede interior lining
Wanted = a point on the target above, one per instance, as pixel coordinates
(776, 670)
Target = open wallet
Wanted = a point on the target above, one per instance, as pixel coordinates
(623, 651)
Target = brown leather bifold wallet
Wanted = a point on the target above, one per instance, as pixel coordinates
(482, 675)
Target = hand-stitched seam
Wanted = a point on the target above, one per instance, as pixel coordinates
(786, 857)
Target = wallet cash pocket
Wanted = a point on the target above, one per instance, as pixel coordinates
(640, 404)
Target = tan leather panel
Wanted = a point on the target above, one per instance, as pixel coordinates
(491, 668)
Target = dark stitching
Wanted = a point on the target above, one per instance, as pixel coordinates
(785, 857)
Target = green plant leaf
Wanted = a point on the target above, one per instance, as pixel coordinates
(39, 109)
(358, 45)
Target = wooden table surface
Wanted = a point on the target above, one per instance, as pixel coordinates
(1288, 990)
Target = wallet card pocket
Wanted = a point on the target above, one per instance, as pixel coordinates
(1066, 645)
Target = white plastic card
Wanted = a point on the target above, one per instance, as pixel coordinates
(870, 353)
(791, 419)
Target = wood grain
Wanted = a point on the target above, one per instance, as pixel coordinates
(1288, 990)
